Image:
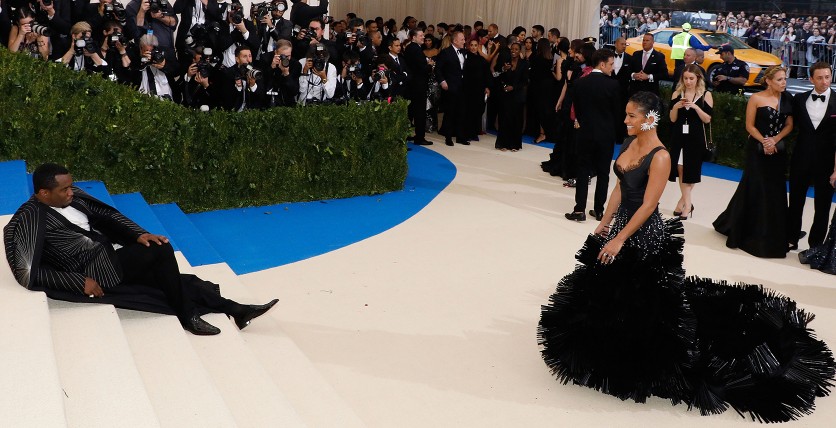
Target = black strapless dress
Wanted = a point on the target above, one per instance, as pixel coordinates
(755, 219)
(637, 327)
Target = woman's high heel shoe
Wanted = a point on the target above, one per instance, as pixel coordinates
(540, 138)
(690, 214)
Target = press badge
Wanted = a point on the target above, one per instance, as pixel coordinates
(685, 128)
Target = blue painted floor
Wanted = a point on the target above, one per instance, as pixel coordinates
(253, 239)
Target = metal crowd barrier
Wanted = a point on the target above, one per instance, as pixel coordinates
(798, 55)
(607, 35)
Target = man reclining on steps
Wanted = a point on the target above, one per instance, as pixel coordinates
(74, 247)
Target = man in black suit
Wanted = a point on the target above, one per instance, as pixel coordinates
(398, 70)
(813, 155)
(76, 248)
(648, 68)
(621, 72)
(450, 72)
(598, 108)
(420, 68)
(234, 33)
(241, 86)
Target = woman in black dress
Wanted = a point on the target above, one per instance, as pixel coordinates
(540, 107)
(476, 92)
(755, 219)
(512, 82)
(628, 323)
(554, 126)
(691, 108)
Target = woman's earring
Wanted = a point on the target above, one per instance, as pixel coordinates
(651, 114)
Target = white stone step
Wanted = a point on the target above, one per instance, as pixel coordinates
(101, 383)
(314, 398)
(29, 382)
(246, 387)
(179, 387)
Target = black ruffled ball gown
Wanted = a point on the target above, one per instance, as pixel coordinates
(637, 327)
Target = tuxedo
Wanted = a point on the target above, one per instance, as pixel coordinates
(655, 66)
(398, 74)
(622, 76)
(449, 68)
(812, 161)
(416, 90)
(598, 107)
(47, 252)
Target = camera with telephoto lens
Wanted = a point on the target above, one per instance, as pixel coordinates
(306, 33)
(284, 60)
(206, 63)
(237, 15)
(260, 10)
(116, 37)
(40, 30)
(157, 5)
(203, 34)
(85, 45)
(247, 71)
(116, 12)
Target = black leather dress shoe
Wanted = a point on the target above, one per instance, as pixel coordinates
(463, 142)
(448, 142)
(598, 215)
(252, 311)
(195, 325)
(578, 216)
(423, 143)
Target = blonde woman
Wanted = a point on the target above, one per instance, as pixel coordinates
(691, 108)
(755, 219)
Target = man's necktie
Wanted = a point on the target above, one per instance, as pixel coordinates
(644, 59)
(818, 97)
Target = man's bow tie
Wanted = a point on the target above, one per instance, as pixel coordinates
(618, 55)
(818, 97)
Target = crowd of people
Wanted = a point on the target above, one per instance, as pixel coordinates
(799, 41)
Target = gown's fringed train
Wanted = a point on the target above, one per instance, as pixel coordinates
(638, 327)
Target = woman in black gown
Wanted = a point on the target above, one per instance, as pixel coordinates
(513, 80)
(476, 80)
(540, 106)
(755, 219)
(628, 323)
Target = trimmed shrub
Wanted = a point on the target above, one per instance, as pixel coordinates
(201, 160)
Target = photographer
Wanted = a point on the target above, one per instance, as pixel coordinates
(379, 81)
(153, 71)
(319, 77)
(156, 16)
(272, 27)
(351, 84)
(57, 16)
(283, 85)
(240, 85)
(313, 36)
(198, 19)
(114, 49)
(195, 82)
(83, 53)
(23, 38)
(106, 10)
(235, 33)
(355, 40)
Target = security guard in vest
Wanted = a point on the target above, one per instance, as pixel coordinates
(732, 75)
(681, 41)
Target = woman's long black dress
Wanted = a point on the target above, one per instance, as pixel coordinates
(755, 219)
(476, 79)
(637, 327)
(690, 146)
(511, 112)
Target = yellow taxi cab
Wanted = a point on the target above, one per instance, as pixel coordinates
(757, 60)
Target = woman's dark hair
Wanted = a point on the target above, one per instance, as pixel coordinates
(544, 49)
(646, 101)
(576, 45)
(517, 31)
(563, 45)
(23, 12)
(588, 51)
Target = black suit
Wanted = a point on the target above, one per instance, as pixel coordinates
(449, 69)
(655, 66)
(622, 76)
(398, 75)
(185, 8)
(597, 103)
(812, 160)
(416, 91)
(235, 98)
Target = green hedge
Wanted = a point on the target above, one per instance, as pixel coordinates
(202, 161)
(728, 123)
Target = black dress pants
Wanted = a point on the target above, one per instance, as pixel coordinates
(800, 178)
(155, 266)
(418, 111)
(595, 157)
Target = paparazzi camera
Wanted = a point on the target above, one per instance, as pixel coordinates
(260, 10)
(284, 60)
(85, 45)
(247, 72)
(157, 5)
(157, 57)
(319, 59)
(206, 64)
(306, 33)
(237, 15)
(202, 34)
(40, 30)
(116, 37)
(116, 12)
(327, 19)
(380, 73)
(355, 71)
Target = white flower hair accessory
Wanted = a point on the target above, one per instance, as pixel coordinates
(651, 114)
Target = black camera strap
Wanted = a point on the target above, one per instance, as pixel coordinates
(152, 83)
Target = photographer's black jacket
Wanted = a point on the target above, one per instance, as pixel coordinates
(229, 37)
(301, 14)
(230, 97)
(282, 29)
(185, 8)
(281, 90)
